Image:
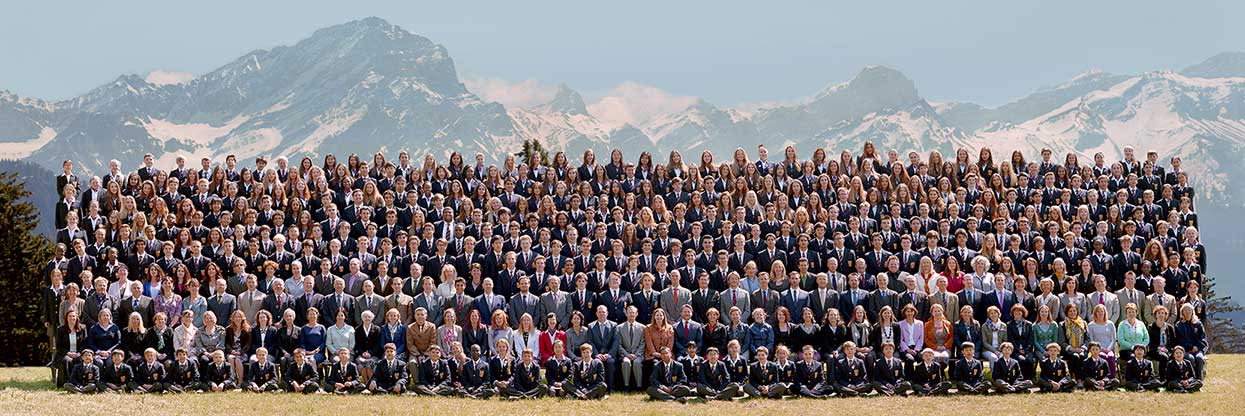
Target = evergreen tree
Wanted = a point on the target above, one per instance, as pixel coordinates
(1225, 335)
(22, 254)
(530, 147)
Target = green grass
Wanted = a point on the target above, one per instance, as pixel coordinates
(27, 390)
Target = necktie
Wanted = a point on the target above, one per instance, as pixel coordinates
(733, 294)
(676, 295)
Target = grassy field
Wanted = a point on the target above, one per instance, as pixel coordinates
(27, 391)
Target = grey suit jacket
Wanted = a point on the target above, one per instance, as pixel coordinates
(250, 304)
(766, 299)
(1109, 300)
(603, 337)
(1152, 302)
(402, 302)
(376, 305)
(741, 300)
(559, 305)
(461, 312)
(820, 306)
(223, 307)
(672, 308)
(435, 305)
(630, 339)
(950, 304)
(524, 304)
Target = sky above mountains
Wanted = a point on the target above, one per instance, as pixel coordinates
(727, 53)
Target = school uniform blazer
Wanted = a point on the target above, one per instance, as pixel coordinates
(588, 374)
(184, 374)
(434, 373)
(113, 374)
(389, 373)
(145, 373)
(888, 371)
(809, 374)
(668, 374)
(926, 375)
(213, 373)
(1007, 369)
(527, 376)
(261, 373)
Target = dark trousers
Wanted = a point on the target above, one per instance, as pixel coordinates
(727, 392)
(668, 393)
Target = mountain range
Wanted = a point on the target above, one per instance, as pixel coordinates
(368, 85)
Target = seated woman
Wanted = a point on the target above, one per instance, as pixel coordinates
(1191, 335)
(209, 339)
(238, 344)
(939, 334)
(104, 336)
(313, 336)
(71, 341)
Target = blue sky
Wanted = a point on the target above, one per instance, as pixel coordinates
(727, 52)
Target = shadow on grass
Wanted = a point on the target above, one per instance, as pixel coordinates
(27, 385)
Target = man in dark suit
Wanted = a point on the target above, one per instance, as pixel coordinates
(852, 297)
(822, 298)
(882, 297)
(686, 330)
(137, 303)
(309, 299)
(79, 263)
(221, 303)
(1001, 298)
(912, 295)
(614, 299)
(646, 299)
(603, 337)
(339, 299)
(460, 302)
(704, 298)
(971, 296)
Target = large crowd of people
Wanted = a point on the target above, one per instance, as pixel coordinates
(753, 277)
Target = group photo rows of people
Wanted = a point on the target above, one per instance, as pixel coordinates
(797, 275)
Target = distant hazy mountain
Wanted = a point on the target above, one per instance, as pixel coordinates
(368, 85)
